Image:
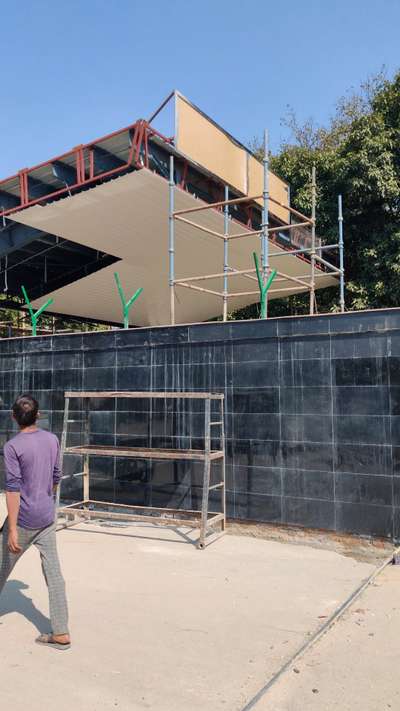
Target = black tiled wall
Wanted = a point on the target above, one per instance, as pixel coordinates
(312, 413)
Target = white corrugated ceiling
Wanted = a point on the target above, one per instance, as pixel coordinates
(128, 218)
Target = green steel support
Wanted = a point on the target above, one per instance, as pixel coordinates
(35, 316)
(263, 289)
(126, 305)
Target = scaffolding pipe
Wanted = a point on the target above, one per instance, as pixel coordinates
(334, 269)
(226, 243)
(200, 288)
(264, 238)
(312, 252)
(304, 250)
(171, 246)
(199, 227)
(341, 252)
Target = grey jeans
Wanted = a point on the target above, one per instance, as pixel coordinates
(45, 541)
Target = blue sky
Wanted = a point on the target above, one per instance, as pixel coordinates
(75, 70)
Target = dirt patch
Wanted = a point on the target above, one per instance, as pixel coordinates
(362, 549)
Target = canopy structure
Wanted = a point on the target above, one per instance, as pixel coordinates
(116, 217)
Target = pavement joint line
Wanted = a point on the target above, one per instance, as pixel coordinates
(336, 615)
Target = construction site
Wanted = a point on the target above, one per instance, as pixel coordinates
(214, 470)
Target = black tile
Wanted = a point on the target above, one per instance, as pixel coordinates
(256, 401)
(135, 378)
(170, 334)
(396, 491)
(361, 400)
(36, 344)
(132, 337)
(363, 488)
(395, 429)
(311, 513)
(37, 380)
(134, 356)
(134, 424)
(256, 426)
(32, 361)
(257, 480)
(307, 428)
(258, 507)
(396, 460)
(99, 339)
(300, 373)
(68, 359)
(360, 371)
(358, 322)
(102, 422)
(307, 401)
(303, 325)
(204, 332)
(308, 484)
(358, 429)
(67, 379)
(255, 374)
(307, 455)
(257, 329)
(256, 453)
(394, 397)
(98, 379)
(260, 351)
(361, 345)
(396, 524)
(305, 347)
(99, 359)
(70, 342)
(364, 458)
(364, 519)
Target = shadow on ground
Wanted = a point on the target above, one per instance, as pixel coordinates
(13, 600)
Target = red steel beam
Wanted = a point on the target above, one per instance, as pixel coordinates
(142, 131)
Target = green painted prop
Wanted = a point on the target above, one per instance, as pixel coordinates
(263, 289)
(35, 316)
(126, 305)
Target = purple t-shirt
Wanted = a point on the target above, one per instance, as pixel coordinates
(32, 463)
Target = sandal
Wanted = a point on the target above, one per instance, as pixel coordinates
(51, 642)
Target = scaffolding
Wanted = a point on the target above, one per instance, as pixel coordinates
(319, 265)
(207, 521)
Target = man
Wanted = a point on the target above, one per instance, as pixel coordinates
(32, 466)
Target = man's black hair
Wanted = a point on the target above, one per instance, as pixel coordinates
(25, 410)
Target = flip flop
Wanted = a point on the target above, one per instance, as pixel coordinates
(48, 639)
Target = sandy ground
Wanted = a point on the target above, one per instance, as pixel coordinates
(355, 667)
(157, 624)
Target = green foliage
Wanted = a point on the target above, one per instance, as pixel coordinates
(357, 155)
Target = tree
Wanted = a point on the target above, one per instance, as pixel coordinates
(357, 155)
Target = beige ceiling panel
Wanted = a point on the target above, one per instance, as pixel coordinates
(201, 140)
(128, 218)
(209, 146)
(278, 189)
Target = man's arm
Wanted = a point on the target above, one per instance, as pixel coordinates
(13, 486)
(57, 469)
(13, 500)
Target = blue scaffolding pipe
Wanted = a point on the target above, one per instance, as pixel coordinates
(226, 243)
(313, 250)
(264, 235)
(171, 241)
(341, 252)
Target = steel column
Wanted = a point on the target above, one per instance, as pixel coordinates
(313, 252)
(206, 474)
(171, 247)
(341, 252)
(63, 447)
(226, 243)
(264, 237)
